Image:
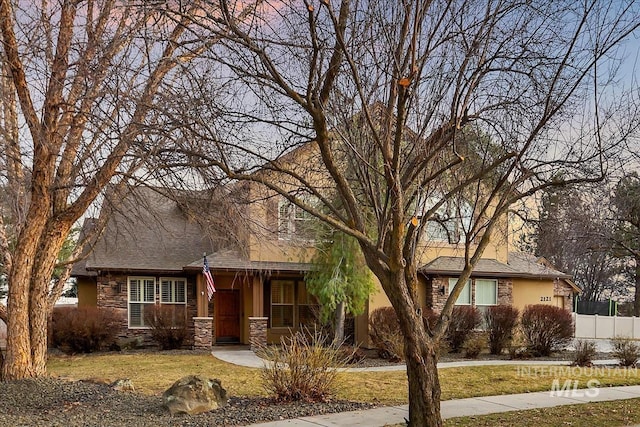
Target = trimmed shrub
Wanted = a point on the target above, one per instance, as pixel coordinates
(474, 345)
(83, 329)
(518, 346)
(303, 368)
(585, 352)
(501, 321)
(351, 354)
(626, 351)
(546, 328)
(168, 325)
(464, 319)
(385, 334)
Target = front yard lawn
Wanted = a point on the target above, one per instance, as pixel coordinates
(615, 413)
(154, 372)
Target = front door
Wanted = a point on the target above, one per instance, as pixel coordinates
(227, 315)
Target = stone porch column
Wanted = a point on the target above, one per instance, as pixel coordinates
(203, 333)
(258, 332)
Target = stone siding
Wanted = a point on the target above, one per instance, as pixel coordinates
(112, 293)
(258, 332)
(565, 290)
(203, 330)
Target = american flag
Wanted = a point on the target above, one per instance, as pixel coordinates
(211, 288)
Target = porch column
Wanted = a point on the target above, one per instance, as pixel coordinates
(202, 300)
(203, 333)
(257, 332)
(258, 296)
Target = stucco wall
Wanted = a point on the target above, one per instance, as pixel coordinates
(87, 292)
(529, 291)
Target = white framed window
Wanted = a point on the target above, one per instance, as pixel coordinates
(282, 303)
(141, 294)
(173, 300)
(294, 223)
(486, 292)
(173, 290)
(486, 296)
(465, 296)
(449, 221)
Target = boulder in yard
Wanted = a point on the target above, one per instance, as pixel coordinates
(123, 384)
(194, 394)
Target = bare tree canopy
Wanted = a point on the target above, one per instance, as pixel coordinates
(80, 83)
(384, 119)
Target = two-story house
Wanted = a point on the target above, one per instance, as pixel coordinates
(152, 253)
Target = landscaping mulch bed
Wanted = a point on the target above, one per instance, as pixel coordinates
(56, 402)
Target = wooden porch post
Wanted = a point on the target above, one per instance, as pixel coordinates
(258, 297)
(202, 302)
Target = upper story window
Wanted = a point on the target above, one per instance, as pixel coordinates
(294, 223)
(450, 220)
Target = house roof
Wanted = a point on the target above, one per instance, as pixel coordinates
(231, 260)
(147, 232)
(520, 264)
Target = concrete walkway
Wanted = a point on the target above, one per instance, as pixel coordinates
(242, 356)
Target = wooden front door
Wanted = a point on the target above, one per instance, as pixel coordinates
(227, 315)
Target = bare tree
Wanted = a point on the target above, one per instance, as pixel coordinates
(626, 216)
(386, 119)
(83, 77)
(574, 231)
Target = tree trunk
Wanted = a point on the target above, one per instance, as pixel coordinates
(338, 324)
(420, 349)
(18, 363)
(424, 384)
(636, 300)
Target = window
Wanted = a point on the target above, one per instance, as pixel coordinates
(282, 303)
(449, 221)
(306, 306)
(173, 291)
(486, 292)
(291, 304)
(486, 295)
(294, 222)
(465, 295)
(142, 293)
(173, 298)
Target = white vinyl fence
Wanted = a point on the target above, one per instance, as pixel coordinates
(594, 326)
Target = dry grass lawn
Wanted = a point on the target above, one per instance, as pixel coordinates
(457, 383)
(154, 372)
(616, 413)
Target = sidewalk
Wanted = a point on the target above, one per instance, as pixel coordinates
(460, 408)
(450, 408)
(242, 356)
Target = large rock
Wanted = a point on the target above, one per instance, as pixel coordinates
(194, 394)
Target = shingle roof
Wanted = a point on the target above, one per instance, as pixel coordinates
(519, 265)
(230, 260)
(149, 232)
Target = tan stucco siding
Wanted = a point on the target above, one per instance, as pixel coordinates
(87, 292)
(529, 291)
